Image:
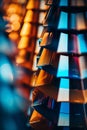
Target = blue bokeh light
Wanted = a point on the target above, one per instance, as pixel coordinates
(6, 70)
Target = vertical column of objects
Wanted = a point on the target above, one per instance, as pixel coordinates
(28, 45)
(61, 83)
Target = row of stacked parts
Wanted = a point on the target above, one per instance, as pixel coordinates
(59, 97)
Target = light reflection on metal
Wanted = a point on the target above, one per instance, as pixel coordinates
(61, 86)
(77, 42)
(66, 3)
(76, 21)
(28, 44)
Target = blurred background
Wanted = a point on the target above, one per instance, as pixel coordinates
(14, 101)
(20, 28)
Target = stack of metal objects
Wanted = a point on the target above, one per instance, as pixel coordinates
(60, 96)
